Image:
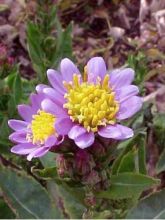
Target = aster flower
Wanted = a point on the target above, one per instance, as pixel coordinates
(35, 135)
(92, 104)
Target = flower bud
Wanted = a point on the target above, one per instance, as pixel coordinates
(92, 178)
(3, 53)
(90, 200)
(98, 150)
(64, 166)
(84, 162)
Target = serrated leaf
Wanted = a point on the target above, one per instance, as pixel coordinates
(151, 207)
(27, 196)
(127, 185)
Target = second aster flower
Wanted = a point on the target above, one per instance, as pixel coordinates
(91, 104)
(35, 135)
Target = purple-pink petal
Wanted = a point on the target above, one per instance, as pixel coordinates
(129, 107)
(63, 125)
(18, 137)
(56, 80)
(76, 131)
(122, 77)
(17, 125)
(41, 87)
(85, 140)
(68, 68)
(51, 141)
(54, 95)
(38, 153)
(36, 100)
(25, 112)
(96, 67)
(109, 131)
(125, 132)
(126, 92)
(53, 108)
(118, 132)
(23, 148)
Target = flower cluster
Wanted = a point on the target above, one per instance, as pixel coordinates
(78, 107)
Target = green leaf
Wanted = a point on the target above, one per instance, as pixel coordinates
(159, 128)
(64, 44)
(5, 211)
(128, 162)
(48, 160)
(142, 153)
(46, 173)
(151, 207)
(28, 198)
(35, 50)
(17, 88)
(161, 163)
(137, 142)
(11, 108)
(71, 198)
(127, 185)
(4, 129)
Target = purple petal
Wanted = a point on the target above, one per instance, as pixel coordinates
(110, 131)
(76, 131)
(56, 80)
(126, 92)
(25, 112)
(55, 96)
(51, 141)
(129, 107)
(68, 68)
(85, 140)
(96, 67)
(51, 107)
(125, 132)
(17, 125)
(23, 149)
(41, 87)
(122, 77)
(63, 125)
(38, 153)
(36, 100)
(118, 132)
(18, 137)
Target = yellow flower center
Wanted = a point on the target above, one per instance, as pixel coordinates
(89, 104)
(42, 127)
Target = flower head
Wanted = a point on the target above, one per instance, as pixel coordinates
(91, 104)
(36, 134)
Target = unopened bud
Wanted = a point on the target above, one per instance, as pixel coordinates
(64, 166)
(90, 200)
(3, 52)
(98, 150)
(92, 178)
(83, 163)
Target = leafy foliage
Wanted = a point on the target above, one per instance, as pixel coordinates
(151, 207)
(23, 193)
(127, 185)
(48, 43)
